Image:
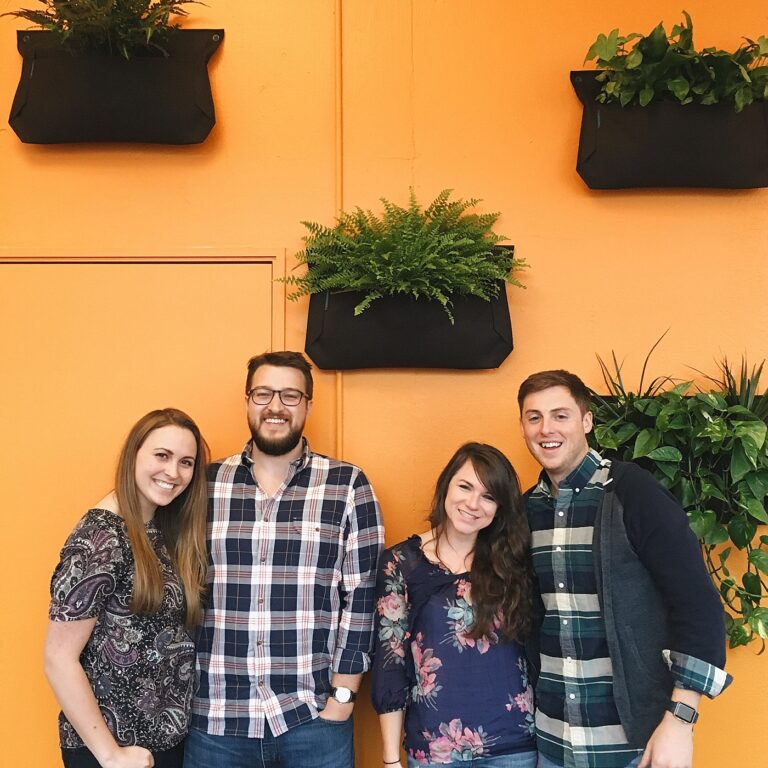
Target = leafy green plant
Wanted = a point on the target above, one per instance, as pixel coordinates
(658, 66)
(709, 448)
(433, 253)
(107, 26)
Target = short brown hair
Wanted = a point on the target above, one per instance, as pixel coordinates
(537, 382)
(284, 359)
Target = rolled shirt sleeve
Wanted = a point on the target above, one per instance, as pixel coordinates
(364, 540)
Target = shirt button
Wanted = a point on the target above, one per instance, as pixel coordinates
(560, 514)
(565, 621)
(259, 642)
(261, 682)
(568, 659)
(558, 549)
(561, 585)
(577, 490)
(571, 695)
(263, 559)
(261, 601)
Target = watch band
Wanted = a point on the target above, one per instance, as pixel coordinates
(683, 712)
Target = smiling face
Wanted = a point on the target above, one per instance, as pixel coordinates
(555, 431)
(276, 429)
(165, 464)
(469, 507)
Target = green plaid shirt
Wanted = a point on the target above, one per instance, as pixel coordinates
(577, 722)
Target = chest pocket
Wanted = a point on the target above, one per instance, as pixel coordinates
(319, 542)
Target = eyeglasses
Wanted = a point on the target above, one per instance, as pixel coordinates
(264, 395)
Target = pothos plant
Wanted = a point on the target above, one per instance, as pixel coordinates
(639, 69)
(708, 446)
(431, 253)
(120, 27)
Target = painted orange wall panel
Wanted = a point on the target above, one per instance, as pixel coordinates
(469, 94)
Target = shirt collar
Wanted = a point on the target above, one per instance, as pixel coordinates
(578, 478)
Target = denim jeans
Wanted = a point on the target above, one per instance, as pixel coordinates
(545, 762)
(516, 760)
(316, 744)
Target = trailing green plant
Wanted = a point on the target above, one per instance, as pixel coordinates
(107, 26)
(432, 253)
(709, 448)
(659, 67)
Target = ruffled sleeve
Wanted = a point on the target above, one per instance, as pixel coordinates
(91, 564)
(391, 686)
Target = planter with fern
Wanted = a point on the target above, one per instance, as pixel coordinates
(709, 446)
(120, 71)
(413, 288)
(659, 113)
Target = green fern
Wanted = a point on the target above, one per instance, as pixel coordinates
(432, 253)
(107, 26)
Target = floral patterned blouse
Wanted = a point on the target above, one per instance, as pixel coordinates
(141, 668)
(464, 699)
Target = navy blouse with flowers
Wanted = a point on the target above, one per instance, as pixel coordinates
(464, 699)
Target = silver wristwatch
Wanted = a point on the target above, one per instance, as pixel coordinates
(343, 695)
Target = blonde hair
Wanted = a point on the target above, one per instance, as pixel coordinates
(182, 522)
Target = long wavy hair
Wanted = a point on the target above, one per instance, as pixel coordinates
(501, 573)
(182, 522)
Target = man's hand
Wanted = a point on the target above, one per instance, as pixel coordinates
(335, 711)
(670, 745)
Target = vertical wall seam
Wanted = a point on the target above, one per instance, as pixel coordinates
(413, 99)
(339, 191)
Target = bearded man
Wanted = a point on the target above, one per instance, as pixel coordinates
(294, 539)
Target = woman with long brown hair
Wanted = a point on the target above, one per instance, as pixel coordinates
(124, 597)
(452, 605)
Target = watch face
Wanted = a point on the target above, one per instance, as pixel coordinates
(342, 695)
(684, 712)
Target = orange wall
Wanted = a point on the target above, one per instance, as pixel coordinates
(325, 103)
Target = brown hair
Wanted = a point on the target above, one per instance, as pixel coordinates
(537, 382)
(182, 522)
(285, 359)
(501, 571)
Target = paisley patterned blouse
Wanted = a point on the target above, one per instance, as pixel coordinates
(465, 699)
(141, 668)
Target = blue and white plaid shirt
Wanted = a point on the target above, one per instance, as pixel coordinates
(291, 593)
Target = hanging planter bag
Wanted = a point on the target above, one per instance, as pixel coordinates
(402, 332)
(149, 98)
(666, 144)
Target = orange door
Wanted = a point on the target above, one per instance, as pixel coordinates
(86, 349)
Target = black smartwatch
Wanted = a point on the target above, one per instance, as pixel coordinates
(343, 695)
(683, 712)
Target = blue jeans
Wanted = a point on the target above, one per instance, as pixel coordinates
(516, 760)
(545, 762)
(316, 744)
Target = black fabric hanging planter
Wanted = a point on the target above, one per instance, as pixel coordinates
(150, 98)
(402, 332)
(666, 144)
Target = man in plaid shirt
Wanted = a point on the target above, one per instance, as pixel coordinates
(630, 631)
(294, 541)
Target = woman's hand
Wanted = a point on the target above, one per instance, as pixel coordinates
(130, 757)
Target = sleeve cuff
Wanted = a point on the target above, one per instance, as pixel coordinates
(696, 675)
(350, 662)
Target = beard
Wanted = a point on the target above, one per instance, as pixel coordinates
(276, 446)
